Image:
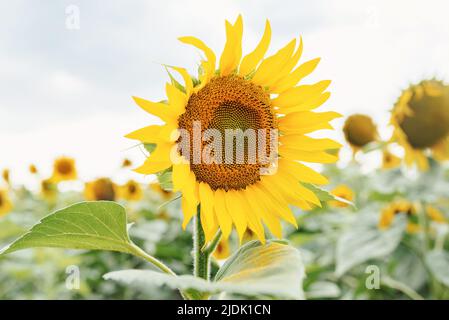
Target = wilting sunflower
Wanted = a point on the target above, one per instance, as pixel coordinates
(64, 169)
(359, 130)
(400, 207)
(389, 160)
(100, 189)
(421, 122)
(223, 250)
(234, 93)
(131, 191)
(49, 189)
(5, 203)
(344, 192)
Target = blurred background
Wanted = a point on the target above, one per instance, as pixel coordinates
(67, 84)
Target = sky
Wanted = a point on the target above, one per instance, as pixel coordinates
(66, 85)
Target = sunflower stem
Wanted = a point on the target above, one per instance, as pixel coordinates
(201, 262)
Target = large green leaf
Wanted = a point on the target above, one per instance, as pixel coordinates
(365, 241)
(325, 195)
(86, 225)
(270, 270)
(438, 263)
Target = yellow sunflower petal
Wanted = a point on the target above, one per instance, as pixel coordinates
(307, 156)
(188, 83)
(223, 217)
(308, 129)
(305, 143)
(157, 109)
(176, 99)
(302, 173)
(293, 78)
(306, 119)
(307, 105)
(298, 95)
(251, 60)
(180, 175)
(253, 219)
(153, 134)
(207, 210)
(234, 210)
(271, 65)
(232, 53)
(259, 206)
(190, 199)
(210, 55)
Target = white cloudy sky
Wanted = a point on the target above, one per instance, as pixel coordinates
(68, 91)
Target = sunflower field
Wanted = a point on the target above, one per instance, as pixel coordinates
(277, 213)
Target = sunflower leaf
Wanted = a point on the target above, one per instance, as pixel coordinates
(270, 270)
(87, 225)
(438, 263)
(324, 195)
(366, 241)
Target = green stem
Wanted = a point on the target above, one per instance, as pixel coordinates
(390, 282)
(201, 263)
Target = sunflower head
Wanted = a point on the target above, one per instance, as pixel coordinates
(100, 189)
(389, 160)
(359, 130)
(223, 250)
(126, 163)
(399, 207)
(131, 191)
(32, 169)
(344, 192)
(64, 169)
(235, 139)
(49, 190)
(421, 121)
(5, 203)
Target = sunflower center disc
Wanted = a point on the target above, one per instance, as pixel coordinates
(224, 104)
(64, 167)
(430, 121)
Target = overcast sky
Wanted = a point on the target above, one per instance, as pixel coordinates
(68, 91)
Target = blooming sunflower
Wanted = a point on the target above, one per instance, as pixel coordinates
(400, 207)
(421, 122)
(389, 160)
(49, 190)
(64, 169)
(344, 192)
(5, 203)
(359, 130)
(6, 176)
(131, 191)
(255, 93)
(100, 189)
(33, 169)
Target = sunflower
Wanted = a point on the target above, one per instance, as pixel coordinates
(435, 214)
(32, 169)
(6, 175)
(344, 192)
(421, 122)
(254, 93)
(164, 194)
(359, 130)
(100, 189)
(400, 207)
(49, 189)
(131, 191)
(5, 203)
(389, 160)
(64, 169)
(223, 250)
(126, 163)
